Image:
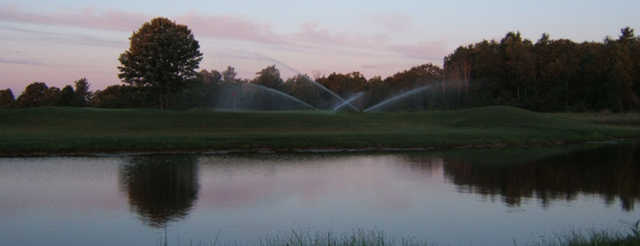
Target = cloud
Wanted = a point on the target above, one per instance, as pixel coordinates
(236, 28)
(87, 18)
(223, 27)
(213, 26)
(20, 61)
(229, 27)
(55, 37)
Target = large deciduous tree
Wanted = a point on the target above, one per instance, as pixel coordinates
(162, 55)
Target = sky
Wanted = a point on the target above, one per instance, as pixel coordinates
(60, 41)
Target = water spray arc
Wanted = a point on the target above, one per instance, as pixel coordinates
(348, 101)
(398, 97)
(332, 93)
(277, 92)
(342, 101)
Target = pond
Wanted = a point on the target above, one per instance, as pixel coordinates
(466, 197)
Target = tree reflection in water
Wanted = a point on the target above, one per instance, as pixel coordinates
(610, 172)
(161, 188)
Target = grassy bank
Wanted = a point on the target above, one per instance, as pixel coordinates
(378, 238)
(595, 239)
(87, 130)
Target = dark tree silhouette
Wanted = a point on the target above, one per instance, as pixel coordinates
(34, 95)
(82, 93)
(209, 77)
(229, 75)
(67, 96)
(120, 96)
(344, 84)
(6, 98)
(550, 75)
(162, 55)
(269, 77)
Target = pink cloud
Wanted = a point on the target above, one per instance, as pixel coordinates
(88, 18)
(225, 27)
(237, 28)
(229, 27)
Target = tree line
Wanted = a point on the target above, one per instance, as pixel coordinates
(548, 75)
(38, 94)
(201, 91)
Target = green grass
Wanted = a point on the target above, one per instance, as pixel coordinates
(40, 131)
(621, 119)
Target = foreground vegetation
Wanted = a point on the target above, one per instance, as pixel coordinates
(362, 238)
(596, 239)
(50, 130)
(377, 238)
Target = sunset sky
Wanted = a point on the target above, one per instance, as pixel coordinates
(59, 41)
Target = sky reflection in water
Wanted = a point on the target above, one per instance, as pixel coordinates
(480, 197)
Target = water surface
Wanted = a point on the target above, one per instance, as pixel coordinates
(483, 197)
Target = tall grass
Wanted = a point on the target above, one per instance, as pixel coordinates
(378, 238)
(597, 238)
(357, 238)
(593, 239)
(297, 238)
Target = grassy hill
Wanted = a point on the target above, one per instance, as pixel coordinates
(54, 130)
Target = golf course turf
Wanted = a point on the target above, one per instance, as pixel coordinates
(69, 131)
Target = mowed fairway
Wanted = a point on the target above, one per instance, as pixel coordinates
(39, 131)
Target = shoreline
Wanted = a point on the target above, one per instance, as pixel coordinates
(317, 150)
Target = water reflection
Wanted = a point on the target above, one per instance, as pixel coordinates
(610, 173)
(160, 188)
(434, 196)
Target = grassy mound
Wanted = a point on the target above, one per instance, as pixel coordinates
(503, 116)
(68, 130)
